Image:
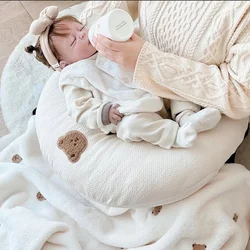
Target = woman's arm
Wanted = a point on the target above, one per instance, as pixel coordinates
(225, 87)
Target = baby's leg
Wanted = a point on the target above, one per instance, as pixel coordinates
(150, 127)
(188, 112)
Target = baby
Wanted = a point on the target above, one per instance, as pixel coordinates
(99, 94)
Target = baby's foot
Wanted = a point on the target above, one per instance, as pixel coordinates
(203, 120)
(185, 136)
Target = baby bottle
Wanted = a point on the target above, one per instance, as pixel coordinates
(117, 25)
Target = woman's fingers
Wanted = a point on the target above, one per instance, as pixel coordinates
(109, 44)
(123, 53)
(109, 54)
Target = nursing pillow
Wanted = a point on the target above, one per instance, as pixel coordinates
(107, 170)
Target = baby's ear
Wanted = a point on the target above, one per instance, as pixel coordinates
(63, 64)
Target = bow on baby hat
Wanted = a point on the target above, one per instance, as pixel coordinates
(41, 26)
(46, 19)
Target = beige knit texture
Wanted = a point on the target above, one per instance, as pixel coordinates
(244, 36)
(208, 67)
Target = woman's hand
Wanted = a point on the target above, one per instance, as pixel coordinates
(123, 53)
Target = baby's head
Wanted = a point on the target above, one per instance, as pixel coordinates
(62, 41)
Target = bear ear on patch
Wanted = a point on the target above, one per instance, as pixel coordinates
(199, 247)
(60, 142)
(235, 218)
(74, 157)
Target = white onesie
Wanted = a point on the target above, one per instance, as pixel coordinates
(90, 85)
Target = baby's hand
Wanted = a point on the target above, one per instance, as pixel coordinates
(114, 115)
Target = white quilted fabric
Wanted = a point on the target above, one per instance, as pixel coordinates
(121, 174)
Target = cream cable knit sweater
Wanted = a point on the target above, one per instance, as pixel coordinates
(197, 50)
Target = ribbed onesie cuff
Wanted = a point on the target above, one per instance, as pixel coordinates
(105, 114)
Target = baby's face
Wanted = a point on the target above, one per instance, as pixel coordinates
(76, 45)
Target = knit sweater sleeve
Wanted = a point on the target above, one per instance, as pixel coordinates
(225, 86)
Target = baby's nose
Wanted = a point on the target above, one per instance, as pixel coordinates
(81, 34)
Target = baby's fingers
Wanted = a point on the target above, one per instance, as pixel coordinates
(118, 113)
(116, 117)
(115, 106)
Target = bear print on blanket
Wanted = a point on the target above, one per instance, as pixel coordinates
(73, 144)
(16, 158)
(199, 247)
(235, 218)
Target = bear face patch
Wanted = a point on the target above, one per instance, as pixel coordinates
(73, 144)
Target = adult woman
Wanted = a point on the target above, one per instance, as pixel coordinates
(196, 51)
